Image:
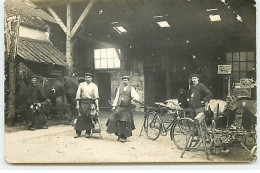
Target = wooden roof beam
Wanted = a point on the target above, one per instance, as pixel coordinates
(81, 18)
(57, 18)
(47, 3)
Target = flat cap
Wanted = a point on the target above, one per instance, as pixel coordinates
(195, 75)
(126, 77)
(34, 76)
(89, 74)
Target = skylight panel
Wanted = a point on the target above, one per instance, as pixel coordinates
(163, 24)
(212, 9)
(215, 18)
(120, 29)
(157, 16)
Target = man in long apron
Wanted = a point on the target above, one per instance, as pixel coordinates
(86, 97)
(121, 123)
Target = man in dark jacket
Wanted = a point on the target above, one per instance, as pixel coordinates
(36, 117)
(199, 97)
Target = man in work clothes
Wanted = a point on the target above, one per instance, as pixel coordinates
(86, 97)
(199, 95)
(121, 122)
(36, 118)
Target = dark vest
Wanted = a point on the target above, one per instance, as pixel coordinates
(36, 94)
(124, 97)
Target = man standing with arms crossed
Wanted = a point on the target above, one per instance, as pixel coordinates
(122, 122)
(86, 97)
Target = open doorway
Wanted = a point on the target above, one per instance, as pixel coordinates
(155, 87)
(104, 88)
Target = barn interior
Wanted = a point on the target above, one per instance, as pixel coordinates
(159, 43)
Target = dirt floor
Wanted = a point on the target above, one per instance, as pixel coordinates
(57, 145)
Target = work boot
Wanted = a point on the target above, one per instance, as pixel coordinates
(122, 138)
(88, 133)
(43, 127)
(77, 135)
(31, 128)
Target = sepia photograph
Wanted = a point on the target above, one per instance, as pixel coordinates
(130, 82)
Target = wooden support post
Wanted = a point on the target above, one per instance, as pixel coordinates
(11, 43)
(229, 83)
(167, 66)
(70, 30)
(69, 40)
(168, 81)
(81, 18)
(57, 18)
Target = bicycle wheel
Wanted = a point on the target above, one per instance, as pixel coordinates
(180, 131)
(152, 125)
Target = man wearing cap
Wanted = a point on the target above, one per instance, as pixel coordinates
(36, 119)
(86, 96)
(121, 122)
(199, 95)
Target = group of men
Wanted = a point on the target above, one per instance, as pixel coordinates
(121, 122)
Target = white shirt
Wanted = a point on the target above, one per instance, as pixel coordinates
(133, 92)
(87, 91)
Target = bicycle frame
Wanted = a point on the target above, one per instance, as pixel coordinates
(153, 119)
(164, 129)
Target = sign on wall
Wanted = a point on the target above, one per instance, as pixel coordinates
(224, 69)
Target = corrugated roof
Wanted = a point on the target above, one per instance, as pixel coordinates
(40, 51)
(30, 14)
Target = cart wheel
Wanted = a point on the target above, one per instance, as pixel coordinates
(216, 146)
(253, 151)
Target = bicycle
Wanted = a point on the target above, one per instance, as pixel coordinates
(179, 127)
(199, 135)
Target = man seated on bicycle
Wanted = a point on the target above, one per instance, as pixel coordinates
(199, 97)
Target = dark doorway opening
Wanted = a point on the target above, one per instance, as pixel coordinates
(155, 87)
(104, 88)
